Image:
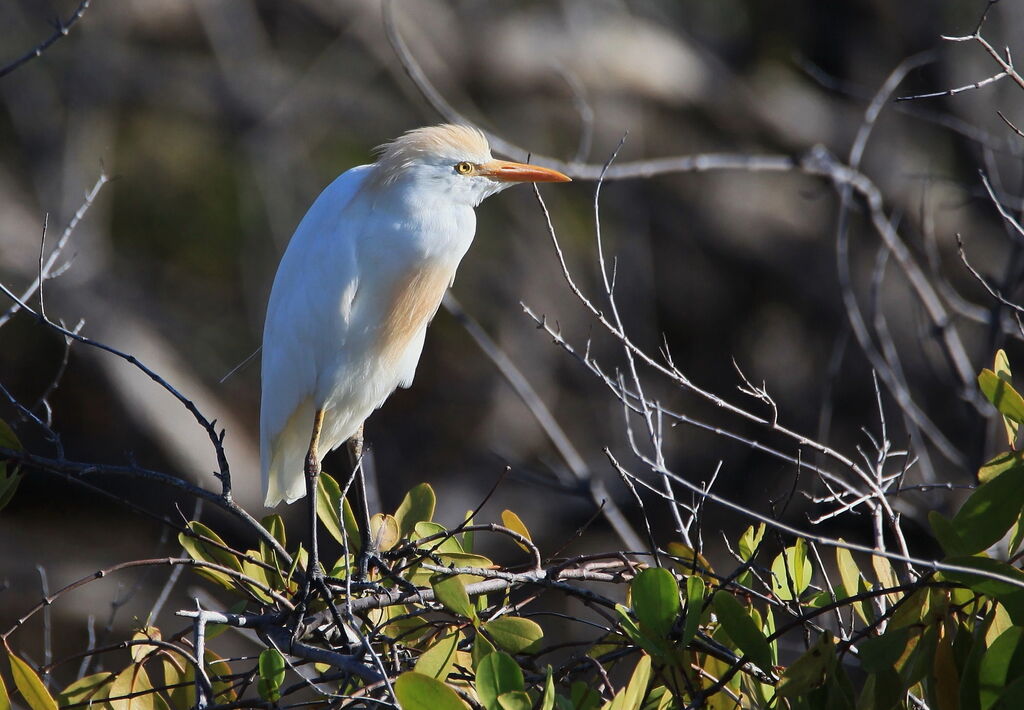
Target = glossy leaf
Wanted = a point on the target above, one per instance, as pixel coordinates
(750, 540)
(132, 690)
(998, 666)
(272, 668)
(496, 674)
(946, 534)
(655, 597)
(450, 590)
(441, 544)
(200, 546)
(384, 531)
(742, 630)
(514, 634)
(515, 700)
(5, 699)
(547, 700)
(417, 506)
(416, 691)
(1002, 395)
(514, 523)
(791, 572)
(694, 608)
(336, 514)
(30, 686)
(141, 650)
(632, 696)
(987, 515)
(853, 580)
(439, 660)
(1001, 367)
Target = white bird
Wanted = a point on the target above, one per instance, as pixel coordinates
(360, 280)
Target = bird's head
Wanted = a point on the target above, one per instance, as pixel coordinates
(454, 162)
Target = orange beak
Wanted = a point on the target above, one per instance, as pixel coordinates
(506, 171)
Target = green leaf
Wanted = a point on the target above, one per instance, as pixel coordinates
(439, 660)
(205, 552)
(30, 686)
(451, 591)
(853, 580)
(547, 701)
(810, 670)
(272, 668)
(791, 572)
(946, 534)
(132, 681)
(416, 691)
(5, 699)
(1000, 664)
(1002, 395)
(694, 608)
(336, 514)
(880, 653)
(441, 544)
(497, 674)
(750, 540)
(990, 511)
(1001, 367)
(8, 484)
(417, 506)
(515, 634)
(481, 648)
(742, 630)
(655, 646)
(632, 697)
(515, 700)
(985, 585)
(655, 597)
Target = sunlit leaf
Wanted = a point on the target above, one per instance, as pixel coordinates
(514, 523)
(750, 540)
(742, 630)
(439, 660)
(694, 608)
(481, 648)
(515, 700)
(207, 546)
(632, 696)
(440, 544)
(514, 634)
(384, 531)
(989, 512)
(5, 699)
(496, 674)
(688, 561)
(416, 691)
(30, 686)
(140, 651)
(655, 597)
(336, 514)
(547, 701)
(946, 534)
(451, 592)
(791, 572)
(132, 690)
(1000, 664)
(1002, 395)
(1001, 366)
(272, 668)
(417, 506)
(853, 580)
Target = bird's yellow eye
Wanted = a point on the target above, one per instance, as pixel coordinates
(464, 168)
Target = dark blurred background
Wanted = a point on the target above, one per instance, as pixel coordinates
(221, 121)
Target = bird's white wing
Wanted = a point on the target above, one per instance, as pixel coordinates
(307, 319)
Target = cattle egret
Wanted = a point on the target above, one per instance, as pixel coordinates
(360, 280)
